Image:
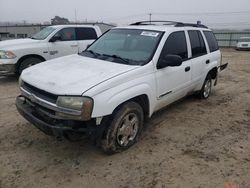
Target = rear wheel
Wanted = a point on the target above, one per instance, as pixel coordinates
(28, 62)
(205, 91)
(124, 128)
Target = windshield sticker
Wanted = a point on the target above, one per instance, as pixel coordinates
(149, 34)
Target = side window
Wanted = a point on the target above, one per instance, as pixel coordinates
(176, 44)
(211, 40)
(85, 33)
(66, 34)
(197, 43)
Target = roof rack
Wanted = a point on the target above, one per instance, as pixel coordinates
(199, 25)
(174, 23)
(155, 21)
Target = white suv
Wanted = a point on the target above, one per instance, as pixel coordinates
(51, 42)
(109, 90)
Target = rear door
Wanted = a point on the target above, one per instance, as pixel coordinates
(66, 45)
(173, 82)
(200, 57)
(85, 36)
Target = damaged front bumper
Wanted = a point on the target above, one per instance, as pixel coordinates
(52, 125)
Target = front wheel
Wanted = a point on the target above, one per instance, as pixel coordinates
(124, 128)
(205, 91)
(28, 62)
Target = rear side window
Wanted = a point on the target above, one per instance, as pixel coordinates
(85, 33)
(197, 43)
(176, 44)
(211, 40)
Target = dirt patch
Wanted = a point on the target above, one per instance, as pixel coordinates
(193, 143)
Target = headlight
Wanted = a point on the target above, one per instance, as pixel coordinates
(7, 55)
(83, 104)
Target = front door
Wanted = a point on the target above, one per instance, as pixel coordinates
(65, 45)
(174, 82)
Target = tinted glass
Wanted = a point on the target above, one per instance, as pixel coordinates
(67, 34)
(85, 34)
(176, 44)
(211, 40)
(197, 43)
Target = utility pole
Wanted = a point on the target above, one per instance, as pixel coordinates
(150, 15)
(75, 17)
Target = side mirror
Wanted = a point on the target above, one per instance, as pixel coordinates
(169, 61)
(55, 38)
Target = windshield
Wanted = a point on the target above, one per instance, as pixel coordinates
(244, 40)
(128, 46)
(44, 33)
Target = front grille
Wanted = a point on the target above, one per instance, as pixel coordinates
(40, 93)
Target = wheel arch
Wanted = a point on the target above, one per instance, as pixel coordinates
(213, 72)
(26, 57)
(142, 100)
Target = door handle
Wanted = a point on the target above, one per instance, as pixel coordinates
(187, 69)
(208, 61)
(74, 45)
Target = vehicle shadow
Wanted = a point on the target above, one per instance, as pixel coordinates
(8, 78)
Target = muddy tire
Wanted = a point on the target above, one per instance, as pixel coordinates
(28, 62)
(205, 91)
(124, 128)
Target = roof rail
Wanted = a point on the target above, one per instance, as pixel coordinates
(174, 23)
(155, 21)
(199, 25)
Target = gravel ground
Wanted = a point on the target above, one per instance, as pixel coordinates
(192, 143)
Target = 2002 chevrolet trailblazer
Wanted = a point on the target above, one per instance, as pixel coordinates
(126, 75)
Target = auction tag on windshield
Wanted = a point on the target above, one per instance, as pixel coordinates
(149, 34)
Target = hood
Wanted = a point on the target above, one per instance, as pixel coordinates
(72, 75)
(11, 44)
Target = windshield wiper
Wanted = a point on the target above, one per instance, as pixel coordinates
(35, 38)
(92, 52)
(118, 57)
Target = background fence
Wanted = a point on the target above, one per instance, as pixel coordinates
(229, 39)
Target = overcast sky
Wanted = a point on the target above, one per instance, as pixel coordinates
(211, 12)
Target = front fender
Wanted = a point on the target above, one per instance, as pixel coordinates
(106, 102)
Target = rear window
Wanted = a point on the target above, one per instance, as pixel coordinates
(85, 33)
(211, 40)
(197, 43)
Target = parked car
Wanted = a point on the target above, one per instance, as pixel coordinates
(110, 89)
(243, 43)
(49, 43)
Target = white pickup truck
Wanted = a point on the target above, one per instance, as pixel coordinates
(125, 76)
(51, 42)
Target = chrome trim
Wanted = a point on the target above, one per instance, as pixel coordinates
(48, 104)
